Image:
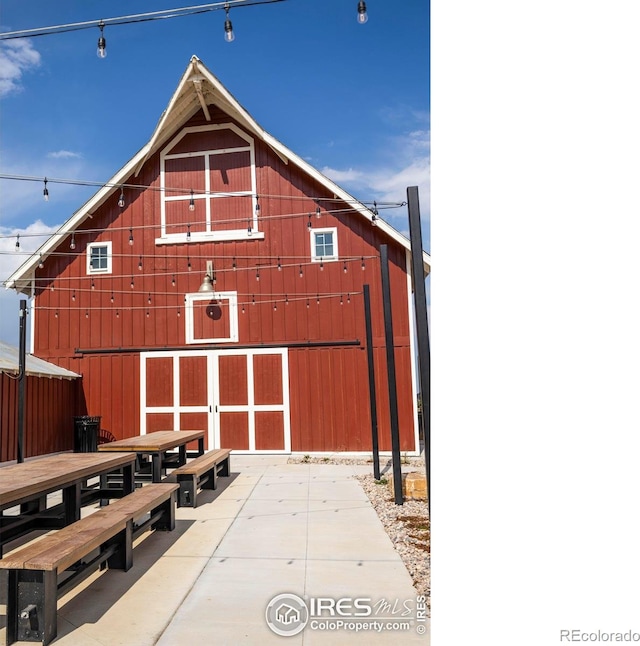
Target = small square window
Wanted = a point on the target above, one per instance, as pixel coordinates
(99, 258)
(324, 244)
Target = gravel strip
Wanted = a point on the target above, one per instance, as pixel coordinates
(407, 525)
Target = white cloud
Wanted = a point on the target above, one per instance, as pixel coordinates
(64, 154)
(31, 237)
(16, 57)
(406, 163)
(340, 176)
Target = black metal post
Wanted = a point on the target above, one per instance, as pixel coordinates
(372, 384)
(391, 376)
(422, 327)
(21, 378)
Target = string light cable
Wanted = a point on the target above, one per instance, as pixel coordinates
(133, 18)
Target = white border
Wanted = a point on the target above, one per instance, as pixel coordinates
(312, 242)
(213, 408)
(190, 299)
(208, 234)
(109, 269)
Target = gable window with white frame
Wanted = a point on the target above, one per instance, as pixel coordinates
(208, 186)
(324, 244)
(211, 317)
(99, 258)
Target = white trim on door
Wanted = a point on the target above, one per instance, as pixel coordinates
(213, 408)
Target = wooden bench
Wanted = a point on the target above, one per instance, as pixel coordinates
(200, 473)
(44, 570)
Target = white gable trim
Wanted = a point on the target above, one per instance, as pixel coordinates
(19, 279)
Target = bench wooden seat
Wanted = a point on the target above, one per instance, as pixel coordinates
(200, 473)
(45, 569)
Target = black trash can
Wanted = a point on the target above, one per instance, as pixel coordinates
(85, 434)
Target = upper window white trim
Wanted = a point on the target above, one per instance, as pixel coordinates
(108, 257)
(232, 302)
(208, 196)
(315, 247)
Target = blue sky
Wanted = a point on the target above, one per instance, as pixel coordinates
(353, 100)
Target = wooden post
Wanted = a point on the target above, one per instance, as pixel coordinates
(21, 378)
(391, 376)
(422, 327)
(372, 384)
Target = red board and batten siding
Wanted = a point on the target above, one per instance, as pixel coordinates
(50, 405)
(328, 386)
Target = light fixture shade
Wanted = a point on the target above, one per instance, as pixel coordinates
(207, 284)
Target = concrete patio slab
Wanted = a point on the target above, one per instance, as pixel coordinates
(270, 529)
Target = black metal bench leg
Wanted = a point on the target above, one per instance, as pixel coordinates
(32, 606)
(210, 482)
(225, 467)
(188, 490)
(123, 558)
(167, 521)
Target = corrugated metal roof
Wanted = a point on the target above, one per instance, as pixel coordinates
(10, 362)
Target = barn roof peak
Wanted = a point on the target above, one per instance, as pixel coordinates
(197, 90)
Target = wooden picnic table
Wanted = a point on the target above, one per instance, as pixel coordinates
(156, 445)
(27, 485)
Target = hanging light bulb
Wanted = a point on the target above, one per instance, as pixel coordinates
(317, 299)
(243, 308)
(93, 284)
(362, 12)
(348, 298)
(131, 237)
(321, 265)
(234, 263)
(228, 27)
(341, 303)
(173, 280)
(374, 217)
(257, 206)
(300, 272)
(286, 300)
(178, 312)
(73, 296)
(362, 265)
(279, 265)
(131, 284)
(253, 299)
(121, 199)
(318, 212)
(309, 222)
(258, 275)
(45, 192)
(72, 244)
(149, 299)
(189, 232)
(188, 263)
(344, 267)
(192, 204)
(18, 242)
(102, 42)
(140, 264)
(112, 298)
(275, 306)
(41, 263)
(117, 314)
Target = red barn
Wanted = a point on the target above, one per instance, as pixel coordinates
(272, 357)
